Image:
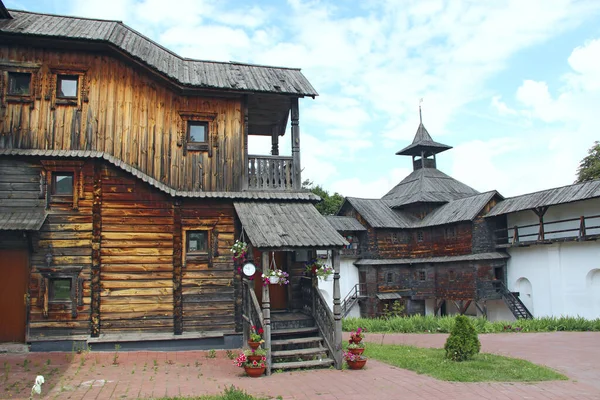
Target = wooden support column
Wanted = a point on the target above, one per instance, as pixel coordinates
(96, 251)
(337, 309)
(296, 167)
(482, 308)
(438, 305)
(244, 183)
(275, 141)
(581, 227)
(464, 306)
(515, 239)
(177, 270)
(422, 159)
(540, 211)
(266, 306)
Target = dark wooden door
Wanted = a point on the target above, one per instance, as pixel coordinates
(13, 287)
(277, 293)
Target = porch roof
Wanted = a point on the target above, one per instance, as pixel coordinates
(433, 260)
(279, 225)
(22, 221)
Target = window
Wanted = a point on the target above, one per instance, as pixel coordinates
(67, 86)
(197, 242)
(390, 277)
(450, 232)
(422, 275)
(60, 289)
(451, 275)
(19, 83)
(198, 132)
(419, 236)
(62, 184)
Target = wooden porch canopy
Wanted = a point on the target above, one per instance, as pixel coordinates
(287, 226)
(22, 221)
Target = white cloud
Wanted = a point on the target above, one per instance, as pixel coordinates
(372, 188)
(501, 106)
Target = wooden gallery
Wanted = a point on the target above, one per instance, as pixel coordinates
(125, 180)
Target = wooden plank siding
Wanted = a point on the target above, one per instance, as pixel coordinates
(124, 112)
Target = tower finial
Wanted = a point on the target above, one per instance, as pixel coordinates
(420, 115)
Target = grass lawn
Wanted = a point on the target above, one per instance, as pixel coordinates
(232, 393)
(482, 368)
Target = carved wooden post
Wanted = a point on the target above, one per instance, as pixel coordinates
(274, 141)
(515, 238)
(266, 305)
(177, 270)
(540, 211)
(297, 180)
(245, 310)
(96, 251)
(245, 176)
(581, 227)
(337, 310)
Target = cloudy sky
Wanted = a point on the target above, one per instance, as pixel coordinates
(514, 86)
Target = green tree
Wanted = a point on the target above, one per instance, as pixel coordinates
(463, 342)
(330, 204)
(589, 167)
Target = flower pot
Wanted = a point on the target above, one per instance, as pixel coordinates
(254, 372)
(254, 358)
(356, 351)
(253, 345)
(274, 280)
(356, 339)
(358, 364)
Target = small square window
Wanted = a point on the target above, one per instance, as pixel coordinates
(419, 236)
(60, 289)
(66, 86)
(198, 132)
(19, 83)
(422, 275)
(62, 184)
(390, 277)
(451, 275)
(450, 232)
(197, 242)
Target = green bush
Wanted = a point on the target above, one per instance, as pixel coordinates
(463, 342)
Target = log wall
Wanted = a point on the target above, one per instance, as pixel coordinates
(123, 111)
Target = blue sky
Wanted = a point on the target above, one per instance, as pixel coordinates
(514, 86)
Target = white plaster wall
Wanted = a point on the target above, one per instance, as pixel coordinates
(555, 213)
(497, 311)
(348, 279)
(562, 277)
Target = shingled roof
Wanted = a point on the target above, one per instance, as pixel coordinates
(191, 73)
(423, 142)
(427, 185)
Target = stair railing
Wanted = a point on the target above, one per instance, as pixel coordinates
(513, 301)
(251, 311)
(351, 298)
(315, 303)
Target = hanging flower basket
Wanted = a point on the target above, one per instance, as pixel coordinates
(275, 277)
(319, 269)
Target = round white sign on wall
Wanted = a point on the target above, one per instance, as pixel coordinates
(248, 269)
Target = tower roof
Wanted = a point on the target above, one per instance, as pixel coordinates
(423, 143)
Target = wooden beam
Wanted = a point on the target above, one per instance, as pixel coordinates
(274, 141)
(438, 305)
(266, 305)
(482, 308)
(540, 211)
(465, 306)
(515, 238)
(296, 167)
(244, 183)
(96, 254)
(581, 227)
(177, 269)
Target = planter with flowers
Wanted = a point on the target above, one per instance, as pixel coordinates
(319, 269)
(356, 348)
(355, 361)
(255, 339)
(253, 369)
(357, 336)
(258, 354)
(275, 277)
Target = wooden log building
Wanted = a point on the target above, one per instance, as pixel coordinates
(125, 179)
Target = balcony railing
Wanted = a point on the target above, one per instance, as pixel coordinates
(272, 173)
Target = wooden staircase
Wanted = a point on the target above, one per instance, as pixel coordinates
(514, 304)
(352, 298)
(297, 343)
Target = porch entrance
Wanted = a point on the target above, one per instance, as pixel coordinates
(278, 293)
(13, 289)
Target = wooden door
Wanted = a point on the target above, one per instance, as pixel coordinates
(13, 288)
(277, 293)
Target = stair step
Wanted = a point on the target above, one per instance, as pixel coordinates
(299, 352)
(294, 331)
(325, 362)
(296, 341)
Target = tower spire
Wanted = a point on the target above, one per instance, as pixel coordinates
(420, 115)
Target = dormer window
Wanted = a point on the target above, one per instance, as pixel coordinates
(19, 84)
(67, 86)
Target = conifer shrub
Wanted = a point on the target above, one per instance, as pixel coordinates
(463, 342)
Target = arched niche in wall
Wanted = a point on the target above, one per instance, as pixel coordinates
(523, 286)
(593, 287)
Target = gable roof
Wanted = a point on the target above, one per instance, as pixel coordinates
(286, 225)
(378, 213)
(250, 195)
(192, 73)
(423, 142)
(549, 197)
(427, 185)
(465, 209)
(343, 223)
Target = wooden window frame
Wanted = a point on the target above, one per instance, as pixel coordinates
(212, 242)
(191, 117)
(420, 236)
(450, 232)
(65, 77)
(422, 275)
(70, 273)
(52, 167)
(389, 277)
(12, 75)
(8, 67)
(451, 275)
(67, 197)
(73, 71)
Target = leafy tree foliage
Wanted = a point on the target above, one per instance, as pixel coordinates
(463, 342)
(330, 204)
(589, 167)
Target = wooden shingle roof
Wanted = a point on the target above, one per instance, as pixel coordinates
(426, 260)
(549, 197)
(465, 209)
(191, 73)
(343, 223)
(423, 142)
(427, 185)
(22, 221)
(378, 213)
(271, 225)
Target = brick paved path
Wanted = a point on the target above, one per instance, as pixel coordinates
(155, 374)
